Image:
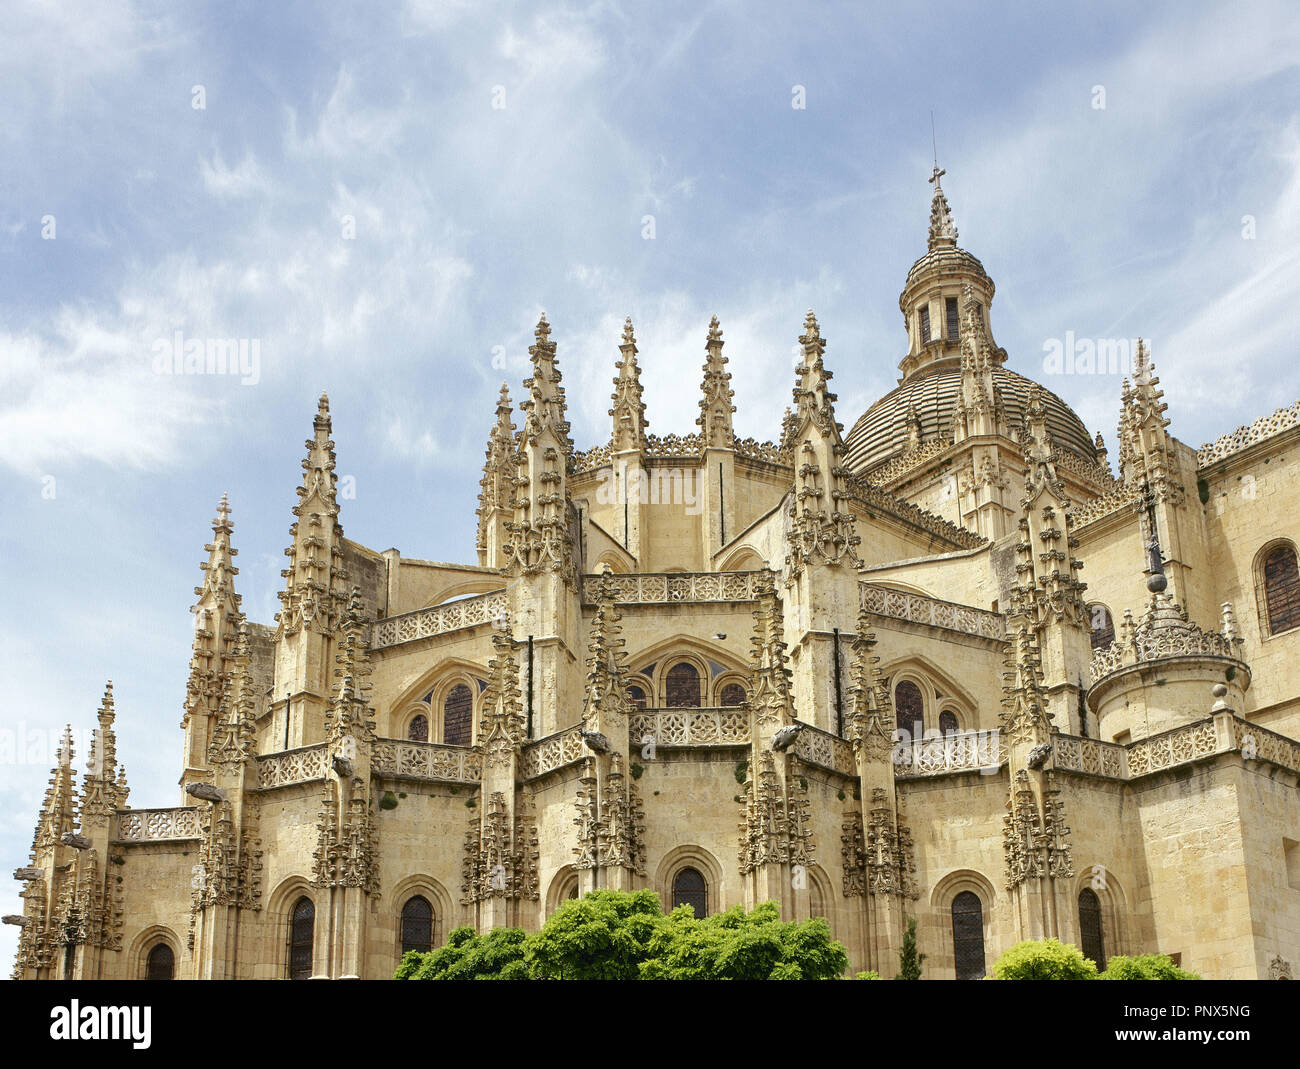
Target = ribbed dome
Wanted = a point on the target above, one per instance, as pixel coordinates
(881, 433)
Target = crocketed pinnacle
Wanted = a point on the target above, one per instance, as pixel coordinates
(716, 393)
(544, 407)
(628, 412)
(943, 232)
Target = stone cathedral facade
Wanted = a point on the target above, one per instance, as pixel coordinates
(950, 666)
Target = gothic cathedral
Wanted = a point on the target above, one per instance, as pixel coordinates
(861, 675)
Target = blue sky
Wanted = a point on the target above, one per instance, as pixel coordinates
(227, 221)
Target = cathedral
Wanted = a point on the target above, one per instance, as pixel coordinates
(951, 666)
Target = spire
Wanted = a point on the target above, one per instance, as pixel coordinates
(943, 232)
(821, 528)
(99, 787)
(979, 410)
(629, 410)
(497, 485)
(539, 532)
(716, 408)
(216, 620)
(545, 406)
(58, 815)
(812, 397)
(315, 591)
(1145, 451)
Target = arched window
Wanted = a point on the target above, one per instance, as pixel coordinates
(418, 731)
(689, 889)
(458, 716)
(682, 686)
(636, 695)
(1282, 589)
(1090, 933)
(908, 704)
(732, 694)
(160, 964)
(1103, 627)
(948, 724)
(417, 925)
(302, 927)
(968, 935)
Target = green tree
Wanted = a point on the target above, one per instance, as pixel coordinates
(602, 936)
(909, 961)
(1145, 967)
(1044, 959)
(736, 945)
(494, 955)
(618, 935)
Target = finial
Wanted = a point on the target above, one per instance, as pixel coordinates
(628, 337)
(715, 329)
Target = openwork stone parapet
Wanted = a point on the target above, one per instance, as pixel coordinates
(552, 752)
(292, 766)
(1092, 756)
(1243, 437)
(149, 825)
(690, 727)
(919, 609)
(438, 620)
(961, 752)
(427, 760)
(652, 588)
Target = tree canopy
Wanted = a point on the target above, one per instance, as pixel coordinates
(620, 935)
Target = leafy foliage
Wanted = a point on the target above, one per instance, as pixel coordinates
(870, 974)
(494, 955)
(602, 936)
(619, 935)
(1145, 967)
(909, 961)
(1044, 959)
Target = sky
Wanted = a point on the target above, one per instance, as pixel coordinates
(380, 200)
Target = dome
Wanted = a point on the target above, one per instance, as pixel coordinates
(880, 434)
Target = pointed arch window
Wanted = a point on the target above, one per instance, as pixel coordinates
(1090, 931)
(417, 925)
(160, 964)
(1282, 589)
(458, 716)
(690, 889)
(682, 686)
(1103, 627)
(968, 935)
(636, 695)
(908, 709)
(948, 724)
(302, 927)
(418, 730)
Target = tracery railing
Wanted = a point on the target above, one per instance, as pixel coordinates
(958, 752)
(919, 609)
(302, 765)
(1090, 755)
(427, 760)
(552, 752)
(727, 726)
(668, 587)
(438, 620)
(825, 749)
(149, 825)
